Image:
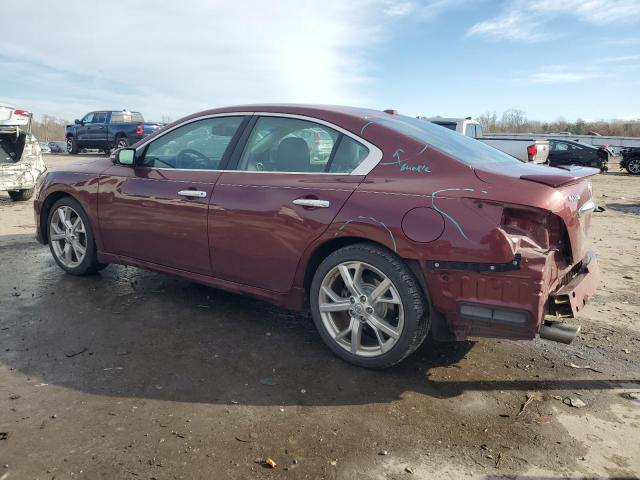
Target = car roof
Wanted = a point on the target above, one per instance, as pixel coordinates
(312, 110)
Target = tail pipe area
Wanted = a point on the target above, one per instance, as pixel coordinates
(559, 332)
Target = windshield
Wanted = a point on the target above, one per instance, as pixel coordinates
(468, 150)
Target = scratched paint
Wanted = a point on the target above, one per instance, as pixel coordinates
(360, 217)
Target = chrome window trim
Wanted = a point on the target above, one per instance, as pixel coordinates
(365, 167)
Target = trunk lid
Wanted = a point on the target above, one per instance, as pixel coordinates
(5, 113)
(551, 176)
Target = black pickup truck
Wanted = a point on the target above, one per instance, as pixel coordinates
(106, 130)
(631, 160)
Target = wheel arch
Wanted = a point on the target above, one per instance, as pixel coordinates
(326, 248)
(48, 202)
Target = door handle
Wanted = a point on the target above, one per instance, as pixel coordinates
(311, 202)
(192, 193)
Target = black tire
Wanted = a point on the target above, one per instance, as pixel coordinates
(121, 142)
(89, 264)
(21, 195)
(415, 304)
(633, 166)
(72, 145)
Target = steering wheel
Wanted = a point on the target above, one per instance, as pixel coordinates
(187, 156)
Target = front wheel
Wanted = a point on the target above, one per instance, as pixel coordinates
(21, 195)
(633, 166)
(368, 306)
(71, 239)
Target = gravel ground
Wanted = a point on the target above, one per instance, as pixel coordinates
(131, 374)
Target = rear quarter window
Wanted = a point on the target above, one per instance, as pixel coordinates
(466, 149)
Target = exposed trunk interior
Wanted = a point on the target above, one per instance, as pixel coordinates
(12, 146)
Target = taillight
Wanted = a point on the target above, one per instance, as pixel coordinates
(532, 151)
(21, 113)
(527, 227)
(139, 130)
(533, 228)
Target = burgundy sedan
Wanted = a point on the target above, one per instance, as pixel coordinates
(384, 226)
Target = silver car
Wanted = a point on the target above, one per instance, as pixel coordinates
(21, 162)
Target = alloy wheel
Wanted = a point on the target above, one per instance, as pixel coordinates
(122, 143)
(68, 236)
(69, 145)
(634, 166)
(361, 309)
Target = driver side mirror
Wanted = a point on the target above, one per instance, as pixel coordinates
(125, 157)
(78, 122)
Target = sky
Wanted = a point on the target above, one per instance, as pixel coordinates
(549, 58)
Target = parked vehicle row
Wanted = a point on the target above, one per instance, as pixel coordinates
(392, 228)
(21, 163)
(631, 160)
(614, 143)
(106, 130)
(526, 149)
(566, 152)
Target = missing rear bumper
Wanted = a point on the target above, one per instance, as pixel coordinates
(571, 298)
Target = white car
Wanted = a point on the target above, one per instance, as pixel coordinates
(525, 148)
(21, 162)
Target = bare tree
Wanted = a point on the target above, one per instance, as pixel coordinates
(514, 120)
(488, 121)
(49, 128)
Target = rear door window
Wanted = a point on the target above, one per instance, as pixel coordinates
(348, 156)
(279, 144)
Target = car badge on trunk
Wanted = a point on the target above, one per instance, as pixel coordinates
(574, 197)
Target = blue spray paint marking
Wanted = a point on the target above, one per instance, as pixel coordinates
(445, 214)
(393, 239)
(404, 167)
(396, 155)
(365, 126)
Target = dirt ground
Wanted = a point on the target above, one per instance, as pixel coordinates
(137, 375)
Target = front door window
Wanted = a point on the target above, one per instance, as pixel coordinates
(196, 146)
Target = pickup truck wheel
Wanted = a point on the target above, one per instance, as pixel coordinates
(368, 306)
(122, 142)
(21, 195)
(71, 238)
(72, 146)
(633, 166)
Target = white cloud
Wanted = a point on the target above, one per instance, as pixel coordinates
(630, 118)
(179, 57)
(526, 20)
(619, 59)
(563, 77)
(566, 73)
(511, 25)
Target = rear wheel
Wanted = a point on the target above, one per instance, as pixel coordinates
(72, 145)
(368, 306)
(122, 142)
(71, 239)
(633, 166)
(21, 195)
